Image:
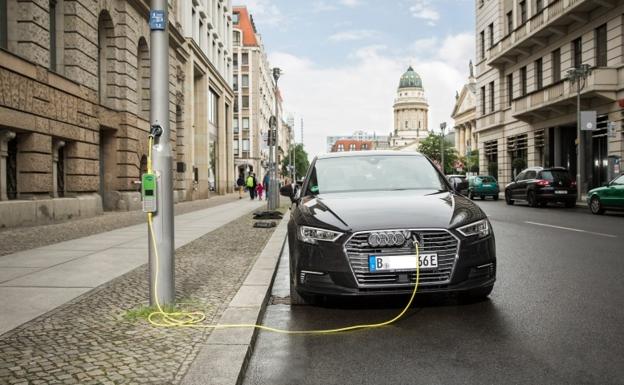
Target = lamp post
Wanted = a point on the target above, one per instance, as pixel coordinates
(273, 201)
(579, 76)
(442, 128)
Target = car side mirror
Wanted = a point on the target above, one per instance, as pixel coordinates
(288, 191)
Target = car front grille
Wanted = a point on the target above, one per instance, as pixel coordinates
(439, 242)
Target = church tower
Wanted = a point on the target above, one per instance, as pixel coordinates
(410, 112)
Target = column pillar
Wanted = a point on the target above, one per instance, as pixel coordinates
(5, 137)
(457, 128)
(462, 140)
(557, 146)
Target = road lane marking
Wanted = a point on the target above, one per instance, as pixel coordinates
(571, 229)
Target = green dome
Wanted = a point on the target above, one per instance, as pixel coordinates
(410, 79)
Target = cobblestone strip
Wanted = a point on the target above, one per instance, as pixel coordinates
(25, 238)
(88, 341)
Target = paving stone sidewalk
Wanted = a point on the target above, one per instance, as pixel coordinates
(90, 341)
(25, 238)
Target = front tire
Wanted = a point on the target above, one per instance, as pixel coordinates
(508, 199)
(595, 206)
(495, 197)
(295, 297)
(471, 195)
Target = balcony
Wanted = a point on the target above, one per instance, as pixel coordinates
(554, 19)
(493, 120)
(560, 98)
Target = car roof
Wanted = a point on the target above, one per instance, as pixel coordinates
(345, 154)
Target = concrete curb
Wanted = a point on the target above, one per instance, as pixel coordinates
(223, 359)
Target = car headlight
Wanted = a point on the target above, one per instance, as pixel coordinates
(313, 235)
(479, 228)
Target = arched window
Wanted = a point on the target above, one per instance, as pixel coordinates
(106, 46)
(143, 79)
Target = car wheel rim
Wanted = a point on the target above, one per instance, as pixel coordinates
(595, 204)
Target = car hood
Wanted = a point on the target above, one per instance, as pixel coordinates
(388, 210)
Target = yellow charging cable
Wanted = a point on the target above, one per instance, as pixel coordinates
(194, 319)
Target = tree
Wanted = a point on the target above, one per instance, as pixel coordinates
(430, 146)
(472, 161)
(301, 162)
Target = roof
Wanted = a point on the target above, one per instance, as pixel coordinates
(246, 26)
(367, 153)
(410, 79)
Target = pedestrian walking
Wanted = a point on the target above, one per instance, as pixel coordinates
(259, 190)
(266, 182)
(240, 183)
(251, 186)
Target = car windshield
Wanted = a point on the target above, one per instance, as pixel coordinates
(368, 173)
(556, 176)
(486, 179)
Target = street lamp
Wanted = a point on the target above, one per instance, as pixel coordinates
(273, 201)
(579, 76)
(442, 128)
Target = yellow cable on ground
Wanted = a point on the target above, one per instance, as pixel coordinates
(194, 319)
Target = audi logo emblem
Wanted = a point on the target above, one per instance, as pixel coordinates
(388, 238)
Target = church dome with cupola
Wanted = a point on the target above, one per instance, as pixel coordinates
(410, 79)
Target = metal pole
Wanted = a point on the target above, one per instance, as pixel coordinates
(579, 145)
(274, 184)
(162, 160)
(442, 127)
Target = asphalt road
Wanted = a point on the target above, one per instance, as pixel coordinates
(556, 316)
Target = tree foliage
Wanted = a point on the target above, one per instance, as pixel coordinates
(431, 147)
(301, 162)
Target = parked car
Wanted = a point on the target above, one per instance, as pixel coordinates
(607, 197)
(459, 183)
(539, 186)
(482, 186)
(354, 226)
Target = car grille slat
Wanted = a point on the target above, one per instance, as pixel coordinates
(439, 242)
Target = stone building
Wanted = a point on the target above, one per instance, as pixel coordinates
(347, 145)
(410, 113)
(464, 115)
(255, 96)
(74, 104)
(526, 107)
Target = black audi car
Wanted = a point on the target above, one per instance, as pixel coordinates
(357, 217)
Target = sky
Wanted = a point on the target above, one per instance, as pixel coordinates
(342, 59)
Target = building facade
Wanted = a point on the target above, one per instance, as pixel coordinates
(464, 116)
(255, 96)
(526, 107)
(411, 122)
(379, 142)
(343, 145)
(74, 105)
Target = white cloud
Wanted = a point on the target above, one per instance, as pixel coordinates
(322, 6)
(359, 94)
(422, 9)
(350, 3)
(352, 35)
(264, 11)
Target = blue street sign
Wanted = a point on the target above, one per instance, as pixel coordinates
(157, 20)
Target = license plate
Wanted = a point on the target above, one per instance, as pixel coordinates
(401, 262)
(561, 192)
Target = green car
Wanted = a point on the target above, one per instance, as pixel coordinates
(482, 186)
(608, 197)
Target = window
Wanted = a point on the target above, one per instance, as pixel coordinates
(245, 59)
(523, 81)
(235, 17)
(245, 123)
(577, 52)
(406, 126)
(539, 5)
(237, 38)
(523, 12)
(235, 83)
(509, 22)
(3, 24)
(491, 34)
(601, 46)
(539, 75)
(364, 146)
(492, 97)
(352, 147)
(509, 89)
(530, 175)
(482, 100)
(235, 147)
(213, 107)
(245, 101)
(340, 147)
(235, 124)
(245, 144)
(235, 60)
(482, 44)
(52, 31)
(245, 81)
(556, 65)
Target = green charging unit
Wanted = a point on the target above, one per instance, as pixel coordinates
(148, 192)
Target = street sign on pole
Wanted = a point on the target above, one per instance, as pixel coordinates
(588, 120)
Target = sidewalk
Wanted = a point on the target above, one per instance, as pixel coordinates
(36, 281)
